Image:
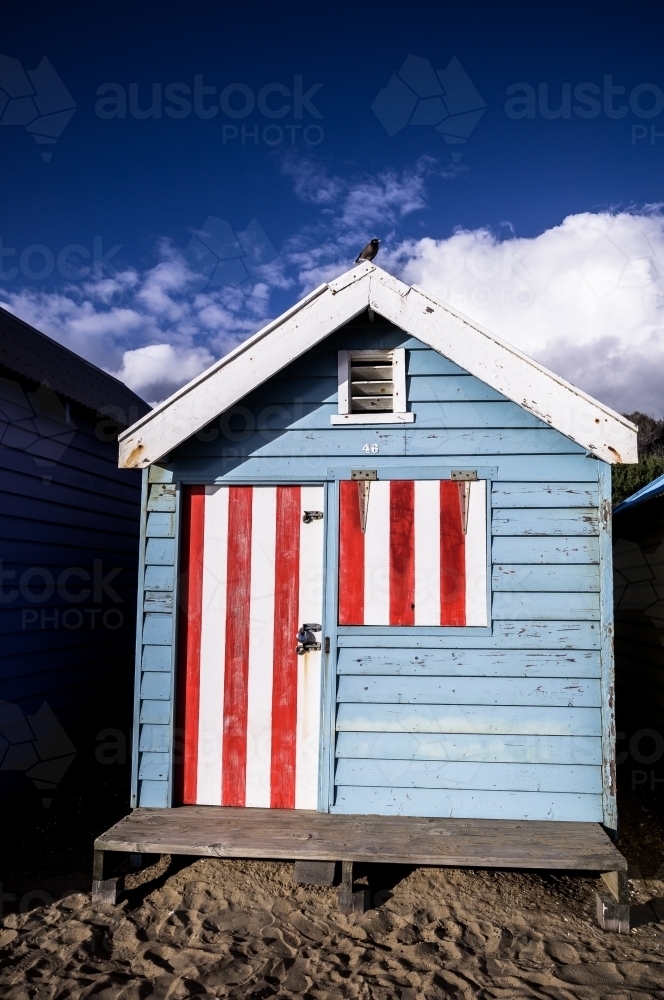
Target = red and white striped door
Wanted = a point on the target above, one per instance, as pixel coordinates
(248, 704)
(422, 559)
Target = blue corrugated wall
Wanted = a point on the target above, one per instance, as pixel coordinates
(69, 528)
(509, 722)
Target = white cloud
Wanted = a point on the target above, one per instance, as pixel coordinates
(156, 371)
(585, 298)
(150, 329)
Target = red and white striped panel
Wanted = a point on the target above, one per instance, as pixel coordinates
(249, 706)
(414, 565)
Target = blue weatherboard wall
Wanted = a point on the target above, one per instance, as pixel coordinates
(512, 721)
(69, 530)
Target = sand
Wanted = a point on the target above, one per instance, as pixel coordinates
(222, 928)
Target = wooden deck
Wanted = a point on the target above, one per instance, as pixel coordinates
(289, 834)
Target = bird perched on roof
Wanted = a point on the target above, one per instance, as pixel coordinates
(369, 252)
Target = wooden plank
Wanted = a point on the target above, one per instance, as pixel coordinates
(564, 692)
(468, 663)
(544, 495)
(231, 466)
(610, 806)
(530, 749)
(278, 833)
(549, 551)
(156, 685)
(155, 739)
(329, 442)
(160, 525)
(554, 721)
(157, 658)
(450, 388)
(573, 606)
(545, 521)
(158, 630)
(505, 635)
(162, 497)
(299, 415)
(309, 388)
(432, 363)
(481, 415)
(154, 766)
(564, 578)
(160, 551)
(159, 578)
(333, 441)
(158, 601)
(497, 777)
(470, 804)
(155, 712)
(154, 794)
(509, 441)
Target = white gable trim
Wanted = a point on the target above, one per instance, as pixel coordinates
(578, 416)
(591, 424)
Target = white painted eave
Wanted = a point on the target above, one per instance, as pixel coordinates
(596, 427)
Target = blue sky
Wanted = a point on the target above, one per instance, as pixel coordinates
(528, 195)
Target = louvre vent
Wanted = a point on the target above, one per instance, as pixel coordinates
(371, 382)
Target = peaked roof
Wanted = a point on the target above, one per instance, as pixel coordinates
(649, 492)
(594, 426)
(28, 352)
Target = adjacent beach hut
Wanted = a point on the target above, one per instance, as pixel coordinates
(638, 557)
(69, 526)
(376, 597)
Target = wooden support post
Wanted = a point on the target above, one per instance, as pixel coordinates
(612, 901)
(104, 890)
(352, 901)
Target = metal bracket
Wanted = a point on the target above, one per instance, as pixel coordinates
(463, 475)
(464, 500)
(364, 475)
(363, 488)
(312, 515)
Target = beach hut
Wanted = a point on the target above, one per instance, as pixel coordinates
(69, 525)
(376, 599)
(638, 559)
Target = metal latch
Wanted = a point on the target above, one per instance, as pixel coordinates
(306, 639)
(312, 515)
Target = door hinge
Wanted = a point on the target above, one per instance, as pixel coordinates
(327, 644)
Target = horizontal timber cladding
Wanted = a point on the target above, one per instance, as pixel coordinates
(469, 691)
(509, 719)
(468, 663)
(470, 803)
(470, 747)
(483, 776)
(496, 722)
(153, 770)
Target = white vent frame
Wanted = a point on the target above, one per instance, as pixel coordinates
(399, 414)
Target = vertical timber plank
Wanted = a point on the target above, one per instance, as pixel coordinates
(139, 641)
(610, 811)
(174, 647)
(330, 606)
